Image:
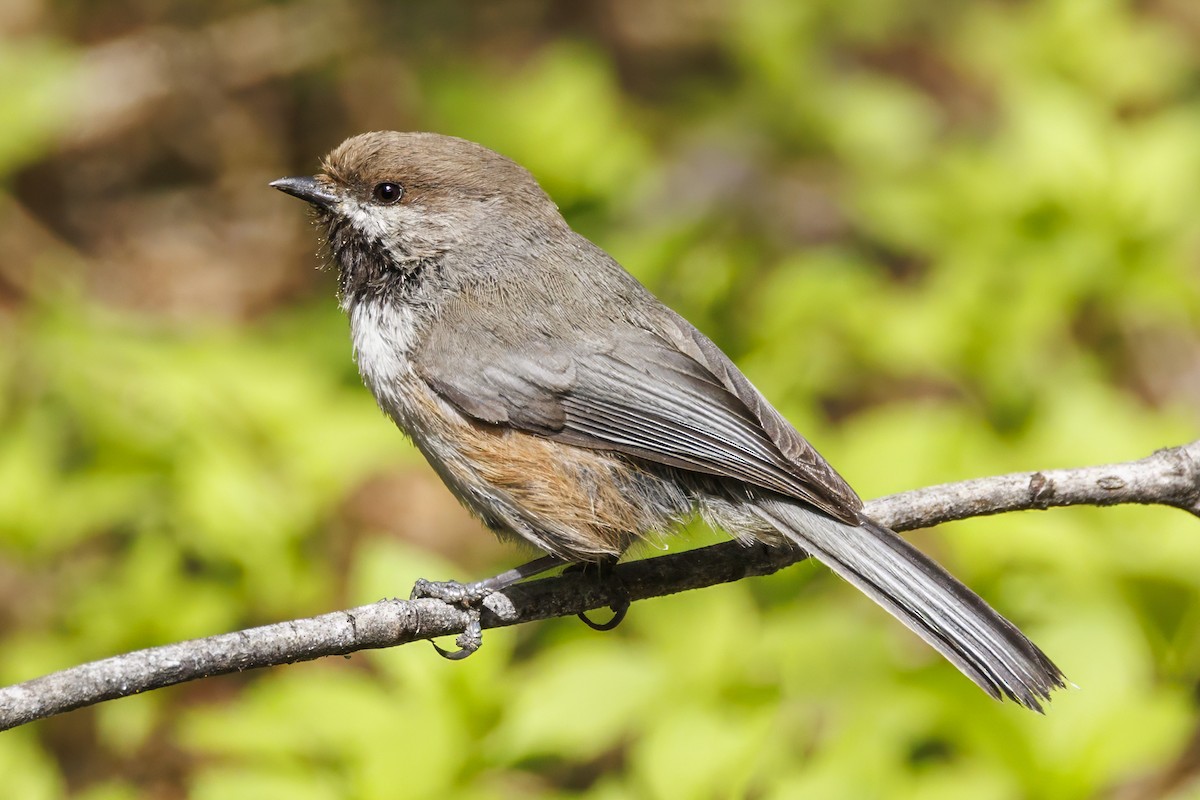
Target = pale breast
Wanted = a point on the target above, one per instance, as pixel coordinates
(384, 337)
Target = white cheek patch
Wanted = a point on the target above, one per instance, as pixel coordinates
(407, 233)
(366, 219)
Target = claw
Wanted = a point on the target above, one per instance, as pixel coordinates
(619, 611)
(604, 572)
(468, 641)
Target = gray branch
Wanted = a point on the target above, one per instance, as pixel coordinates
(1168, 477)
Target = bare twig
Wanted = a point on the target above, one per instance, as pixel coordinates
(1168, 477)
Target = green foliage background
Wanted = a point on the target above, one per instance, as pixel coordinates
(948, 240)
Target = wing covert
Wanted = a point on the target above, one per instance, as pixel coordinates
(667, 396)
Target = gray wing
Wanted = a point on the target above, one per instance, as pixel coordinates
(666, 395)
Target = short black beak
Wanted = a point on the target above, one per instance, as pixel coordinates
(309, 189)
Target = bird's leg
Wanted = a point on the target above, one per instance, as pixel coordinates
(466, 594)
(471, 595)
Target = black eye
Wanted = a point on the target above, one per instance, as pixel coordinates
(387, 193)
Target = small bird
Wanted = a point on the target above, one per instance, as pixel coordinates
(566, 406)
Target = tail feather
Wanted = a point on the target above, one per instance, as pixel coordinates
(985, 647)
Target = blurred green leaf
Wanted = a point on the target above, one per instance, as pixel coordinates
(947, 241)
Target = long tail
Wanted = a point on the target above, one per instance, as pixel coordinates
(985, 646)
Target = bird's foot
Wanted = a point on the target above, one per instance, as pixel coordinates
(471, 596)
(620, 607)
(468, 595)
(453, 592)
